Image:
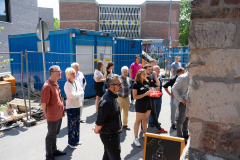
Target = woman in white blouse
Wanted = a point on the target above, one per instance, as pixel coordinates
(75, 95)
(99, 83)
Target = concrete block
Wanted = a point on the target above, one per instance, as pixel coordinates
(211, 35)
(29, 122)
(215, 102)
(219, 63)
(5, 94)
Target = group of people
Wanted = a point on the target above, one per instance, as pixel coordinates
(121, 90)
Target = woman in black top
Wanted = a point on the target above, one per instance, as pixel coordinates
(140, 92)
(109, 70)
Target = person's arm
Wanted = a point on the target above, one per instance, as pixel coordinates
(170, 94)
(97, 129)
(156, 78)
(130, 74)
(175, 89)
(166, 85)
(135, 96)
(45, 97)
(172, 72)
(103, 111)
(97, 79)
(44, 108)
(70, 92)
(105, 74)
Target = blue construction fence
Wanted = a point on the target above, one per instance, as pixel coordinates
(163, 58)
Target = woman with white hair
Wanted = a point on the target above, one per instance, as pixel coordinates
(75, 95)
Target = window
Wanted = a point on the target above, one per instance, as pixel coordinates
(4, 11)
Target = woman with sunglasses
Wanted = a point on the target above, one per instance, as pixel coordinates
(99, 83)
(75, 95)
(140, 91)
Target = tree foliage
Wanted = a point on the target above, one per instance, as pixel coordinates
(56, 24)
(1, 57)
(185, 13)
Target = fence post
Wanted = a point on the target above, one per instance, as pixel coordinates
(22, 84)
(29, 96)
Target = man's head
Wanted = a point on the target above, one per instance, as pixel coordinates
(55, 72)
(156, 68)
(137, 59)
(180, 71)
(75, 66)
(148, 68)
(124, 71)
(177, 59)
(114, 83)
(153, 62)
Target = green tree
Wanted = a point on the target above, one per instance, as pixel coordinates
(185, 13)
(1, 57)
(56, 24)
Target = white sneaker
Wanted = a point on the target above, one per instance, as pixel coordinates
(73, 147)
(143, 135)
(136, 142)
(79, 143)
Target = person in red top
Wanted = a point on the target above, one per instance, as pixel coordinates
(135, 66)
(53, 109)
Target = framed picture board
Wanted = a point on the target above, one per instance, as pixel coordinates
(159, 147)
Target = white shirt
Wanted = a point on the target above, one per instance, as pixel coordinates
(75, 94)
(79, 78)
(98, 74)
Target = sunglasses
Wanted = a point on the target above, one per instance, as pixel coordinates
(119, 84)
(57, 71)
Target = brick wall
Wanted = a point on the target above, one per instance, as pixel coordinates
(160, 12)
(77, 11)
(80, 25)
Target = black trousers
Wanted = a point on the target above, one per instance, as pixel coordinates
(154, 115)
(112, 148)
(51, 138)
(131, 91)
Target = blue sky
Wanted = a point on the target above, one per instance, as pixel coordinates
(2, 7)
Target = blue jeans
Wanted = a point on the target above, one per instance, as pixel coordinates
(158, 105)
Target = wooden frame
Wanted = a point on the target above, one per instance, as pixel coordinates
(181, 140)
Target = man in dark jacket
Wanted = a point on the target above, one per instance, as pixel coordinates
(109, 122)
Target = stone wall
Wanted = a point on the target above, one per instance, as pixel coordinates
(214, 104)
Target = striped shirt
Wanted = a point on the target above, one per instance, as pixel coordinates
(126, 87)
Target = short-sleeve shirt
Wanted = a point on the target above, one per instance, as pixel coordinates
(97, 73)
(52, 97)
(135, 67)
(79, 78)
(151, 80)
(141, 89)
(175, 66)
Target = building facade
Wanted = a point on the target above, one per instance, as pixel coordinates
(150, 19)
(20, 17)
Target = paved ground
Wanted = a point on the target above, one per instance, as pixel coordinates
(28, 143)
